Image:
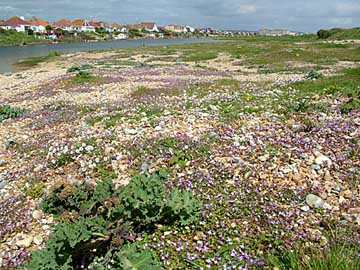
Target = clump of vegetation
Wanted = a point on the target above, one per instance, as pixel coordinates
(350, 105)
(33, 61)
(85, 77)
(339, 33)
(79, 68)
(105, 222)
(313, 75)
(8, 112)
(35, 188)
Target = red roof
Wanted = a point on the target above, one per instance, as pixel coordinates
(62, 23)
(148, 25)
(38, 21)
(95, 24)
(16, 22)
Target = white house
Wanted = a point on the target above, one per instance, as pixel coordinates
(18, 24)
(150, 26)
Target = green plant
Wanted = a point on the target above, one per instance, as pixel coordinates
(103, 235)
(313, 75)
(145, 203)
(63, 160)
(8, 112)
(35, 188)
(350, 105)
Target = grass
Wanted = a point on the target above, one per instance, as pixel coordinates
(85, 77)
(34, 61)
(199, 57)
(11, 37)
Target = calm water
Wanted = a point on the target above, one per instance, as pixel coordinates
(12, 54)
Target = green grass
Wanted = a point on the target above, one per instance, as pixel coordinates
(85, 77)
(199, 57)
(34, 61)
(342, 34)
(11, 37)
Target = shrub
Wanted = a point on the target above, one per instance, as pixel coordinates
(323, 34)
(7, 112)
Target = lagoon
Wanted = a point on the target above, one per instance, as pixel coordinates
(9, 55)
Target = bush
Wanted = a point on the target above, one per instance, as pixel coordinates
(7, 112)
(323, 34)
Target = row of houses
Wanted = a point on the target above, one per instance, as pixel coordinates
(82, 25)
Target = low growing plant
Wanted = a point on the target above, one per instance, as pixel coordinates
(109, 220)
(8, 112)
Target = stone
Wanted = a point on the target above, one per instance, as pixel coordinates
(305, 208)
(212, 135)
(37, 214)
(327, 176)
(323, 195)
(354, 211)
(336, 189)
(315, 167)
(3, 162)
(158, 128)
(38, 168)
(144, 167)
(342, 200)
(3, 183)
(358, 219)
(24, 240)
(264, 158)
(314, 201)
(348, 194)
(38, 240)
(131, 131)
(347, 217)
(320, 160)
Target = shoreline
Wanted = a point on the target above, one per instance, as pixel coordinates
(94, 41)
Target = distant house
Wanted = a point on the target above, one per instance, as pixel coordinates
(176, 28)
(190, 29)
(18, 24)
(81, 25)
(274, 32)
(63, 24)
(38, 25)
(149, 26)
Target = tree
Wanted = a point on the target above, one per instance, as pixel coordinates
(48, 28)
(323, 34)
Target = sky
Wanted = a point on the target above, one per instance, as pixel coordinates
(305, 15)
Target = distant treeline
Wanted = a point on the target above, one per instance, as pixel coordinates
(339, 33)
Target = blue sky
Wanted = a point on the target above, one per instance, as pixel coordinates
(305, 15)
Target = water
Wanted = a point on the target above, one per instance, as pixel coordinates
(9, 55)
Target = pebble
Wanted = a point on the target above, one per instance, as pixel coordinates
(24, 240)
(38, 168)
(314, 201)
(3, 183)
(320, 160)
(38, 240)
(353, 211)
(305, 208)
(37, 214)
(131, 131)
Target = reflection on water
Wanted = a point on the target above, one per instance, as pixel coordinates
(11, 54)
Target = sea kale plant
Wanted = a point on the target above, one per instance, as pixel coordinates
(8, 112)
(99, 223)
